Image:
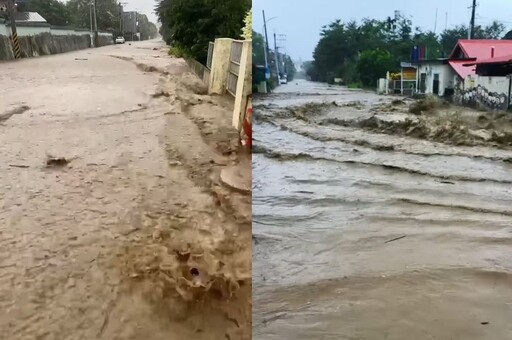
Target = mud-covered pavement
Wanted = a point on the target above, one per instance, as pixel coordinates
(365, 228)
(127, 232)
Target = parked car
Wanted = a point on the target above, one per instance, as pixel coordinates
(120, 40)
(283, 80)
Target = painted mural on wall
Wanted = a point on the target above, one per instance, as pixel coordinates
(479, 96)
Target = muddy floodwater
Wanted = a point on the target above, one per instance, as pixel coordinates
(361, 233)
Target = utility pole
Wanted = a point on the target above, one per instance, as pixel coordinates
(472, 24)
(14, 33)
(446, 21)
(92, 28)
(276, 57)
(266, 42)
(435, 24)
(282, 46)
(95, 24)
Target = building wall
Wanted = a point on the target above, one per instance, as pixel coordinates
(25, 31)
(446, 80)
(485, 92)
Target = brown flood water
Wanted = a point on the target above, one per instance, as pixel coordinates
(363, 235)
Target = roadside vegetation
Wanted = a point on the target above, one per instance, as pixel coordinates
(189, 25)
(76, 14)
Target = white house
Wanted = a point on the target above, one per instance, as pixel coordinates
(435, 76)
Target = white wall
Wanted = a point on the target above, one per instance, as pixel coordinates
(445, 72)
(493, 84)
(59, 31)
(4, 30)
(31, 30)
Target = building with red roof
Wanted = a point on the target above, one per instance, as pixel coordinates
(468, 60)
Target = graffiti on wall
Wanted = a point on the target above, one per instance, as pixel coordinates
(479, 96)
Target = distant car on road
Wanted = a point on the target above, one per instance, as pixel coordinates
(120, 40)
(283, 80)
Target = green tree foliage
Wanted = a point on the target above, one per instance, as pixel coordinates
(258, 48)
(373, 64)
(191, 24)
(290, 68)
(55, 12)
(108, 15)
(76, 13)
(508, 36)
(346, 49)
(147, 29)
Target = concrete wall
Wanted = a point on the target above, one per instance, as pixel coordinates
(216, 77)
(45, 40)
(24, 31)
(491, 93)
(445, 72)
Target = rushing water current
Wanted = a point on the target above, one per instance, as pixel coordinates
(353, 240)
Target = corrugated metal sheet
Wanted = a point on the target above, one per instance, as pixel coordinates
(462, 71)
(29, 17)
(480, 49)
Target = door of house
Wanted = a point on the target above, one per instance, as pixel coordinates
(423, 82)
(435, 85)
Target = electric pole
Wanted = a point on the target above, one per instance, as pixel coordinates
(95, 25)
(266, 42)
(276, 57)
(282, 46)
(14, 33)
(472, 24)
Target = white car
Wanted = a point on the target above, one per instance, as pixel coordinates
(283, 80)
(120, 40)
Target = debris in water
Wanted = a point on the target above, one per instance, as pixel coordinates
(396, 239)
(484, 322)
(56, 161)
(19, 166)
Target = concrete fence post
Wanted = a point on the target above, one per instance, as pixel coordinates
(244, 84)
(220, 66)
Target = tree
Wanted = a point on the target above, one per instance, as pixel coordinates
(147, 29)
(373, 65)
(108, 16)
(290, 68)
(55, 12)
(508, 36)
(450, 37)
(191, 24)
(247, 29)
(258, 48)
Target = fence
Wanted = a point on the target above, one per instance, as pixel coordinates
(200, 70)
(234, 66)
(209, 60)
(228, 69)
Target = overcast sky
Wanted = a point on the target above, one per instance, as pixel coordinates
(302, 20)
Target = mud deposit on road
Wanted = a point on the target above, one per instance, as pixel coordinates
(115, 224)
(379, 218)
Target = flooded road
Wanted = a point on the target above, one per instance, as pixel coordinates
(359, 234)
(122, 239)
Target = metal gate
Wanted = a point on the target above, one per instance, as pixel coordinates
(234, 66)
(210, 55)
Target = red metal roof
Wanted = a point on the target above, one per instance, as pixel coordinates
(496, 60)
(462, 71)
(480, 49)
